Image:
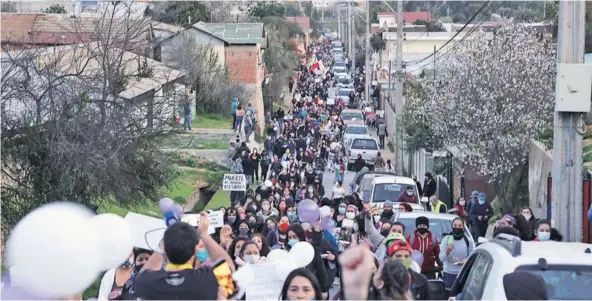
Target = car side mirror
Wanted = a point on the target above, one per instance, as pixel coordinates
(437, 290)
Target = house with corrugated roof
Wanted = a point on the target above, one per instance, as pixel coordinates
(244, 58)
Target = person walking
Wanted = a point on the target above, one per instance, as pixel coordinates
(187, 116)
(233, 108)
(240, 114)
(381, 132)
(479, 214)
(455, 249)
(429, 185)
(379, 162)
(255, 159)
(248, 126)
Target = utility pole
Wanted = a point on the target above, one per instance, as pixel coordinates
(368, 53)
(567, 205)
(339, 31)
(399, 90)
(349, 27)
(352, 54)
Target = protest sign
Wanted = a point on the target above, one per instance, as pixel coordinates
(216, 220)
(330, 101)
(147, 231)
(268, 285)
(234, 182)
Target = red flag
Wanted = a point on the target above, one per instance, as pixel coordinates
(313, 67)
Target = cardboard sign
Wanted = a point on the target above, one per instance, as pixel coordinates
(234, 182)
(330, 101)
(267, 285)
(147, 231)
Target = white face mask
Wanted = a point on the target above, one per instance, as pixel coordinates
(350, 215)
(527, 216)
(310, 190)
(252, 259)
(409, 193)
(265, 207)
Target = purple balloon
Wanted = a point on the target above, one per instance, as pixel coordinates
(417, 256)
(309, 212)
(165, 204)
(178, 210)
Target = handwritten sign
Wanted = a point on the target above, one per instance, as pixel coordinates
(147, 232)
(216, 220)
(267, 286)
(234, 182)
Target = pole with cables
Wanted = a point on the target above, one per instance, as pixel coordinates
(368, 53)
(567, 204)
(349, 27)
(352, 54)
(399, 90)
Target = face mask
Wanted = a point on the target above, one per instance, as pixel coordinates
(385, 233)
(481, 202)
(271, 227)
(310, 190)
(202, 255)
(137, 268)
(265, 207)
(252, 259)
(422, 230)
(409, 193)
(458, 232)
(243, 231)
(258, 198)
(252, 223)
(350, 215)
(231, 219)
(406, 262)
(292, 242)
(544, 236)
(462, 203)
(341, 210)
(527, 216)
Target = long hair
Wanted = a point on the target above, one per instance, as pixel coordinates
(233, 246)
(306, 273)
(395, 277)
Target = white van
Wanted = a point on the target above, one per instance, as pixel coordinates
(388, 188)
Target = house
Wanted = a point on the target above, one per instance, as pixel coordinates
(26, 31)
(389, 19)
(304, 23)
(81, 7)
(244, 58)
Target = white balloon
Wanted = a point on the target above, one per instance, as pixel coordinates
(55, 251)
(325, 211)
(302, 254)
(276, 255)
(243, 276)
(284, 268)
(115, 239)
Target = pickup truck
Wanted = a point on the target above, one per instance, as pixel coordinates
(365, 146)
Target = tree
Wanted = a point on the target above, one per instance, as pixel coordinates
(418, 131)
(67, 131)
(377, 42)
(8, 7)
(430, 26)
(181, 13)
(292, 9)
(56, 9)
(267, 9)
(491, 96)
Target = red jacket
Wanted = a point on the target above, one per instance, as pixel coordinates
(429, 247)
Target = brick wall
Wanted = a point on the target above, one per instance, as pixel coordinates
(242, 62)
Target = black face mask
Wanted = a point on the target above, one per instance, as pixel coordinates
(387, 213)
(385, 233)
(137, 268)
(422, 230)
(458, 233)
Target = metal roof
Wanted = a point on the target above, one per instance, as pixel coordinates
(238, 33)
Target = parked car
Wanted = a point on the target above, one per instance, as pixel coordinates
(364, 188)
(440, 223)
(367, 147)
(353, 131)
(566, 268)
(389, 188)
(340, 71)
(339, 63)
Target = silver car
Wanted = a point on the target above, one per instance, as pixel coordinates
(353, 131)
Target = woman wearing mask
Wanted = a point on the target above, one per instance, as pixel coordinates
(249, 253)
(284, 177)
(454, 251)
(266, 211)
(391, 282)
(226, 236)
(282, 206)
(141, 256)
(301, 284)
(294, 176)
(113, 282)
(230, 217)
(244, 230)
(461, 207)
(253, 223)
(531, 220)
(340, 214)
(350, 213)
(338, 192)
(543, 231)
(261, 243)
(255, 159)
(291, 214)
(235, 247)
(310, 193)
(202, 258)
(297, 234)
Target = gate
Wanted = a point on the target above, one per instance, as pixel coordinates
(586, 200)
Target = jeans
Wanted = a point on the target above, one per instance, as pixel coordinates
(249, 179)
(233, 121)
(239, 121)
(256, 173)
(448, 279)
(381, 137)
(187, 123)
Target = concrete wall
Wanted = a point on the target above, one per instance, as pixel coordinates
(540, 164)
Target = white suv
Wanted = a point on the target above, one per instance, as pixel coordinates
(566, 268)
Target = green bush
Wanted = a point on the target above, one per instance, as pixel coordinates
(190, 162)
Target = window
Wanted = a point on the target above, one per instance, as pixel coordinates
(351, 116)
(356, 130)
(365, 144)
(564, 282)
(437, 226)
(477, 277)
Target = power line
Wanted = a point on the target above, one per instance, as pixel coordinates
(455, 35)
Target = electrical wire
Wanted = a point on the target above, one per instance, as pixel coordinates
(436, 8)
(454, 36)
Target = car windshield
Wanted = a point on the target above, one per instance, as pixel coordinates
(564, 282)
(437, 226)
(339, 64)
(388, 191)
(352, 116)
(368, 144)
(339, 70)
(367, 184)
(356, 130)
(344, 93)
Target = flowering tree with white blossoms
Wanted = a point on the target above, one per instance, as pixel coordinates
(493, 93)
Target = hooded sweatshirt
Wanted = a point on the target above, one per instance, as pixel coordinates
(460, 252)
(429, 247)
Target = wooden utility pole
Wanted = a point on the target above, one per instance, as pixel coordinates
(567, 204)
